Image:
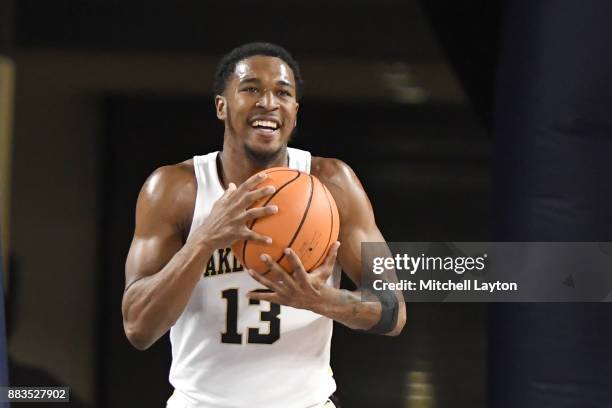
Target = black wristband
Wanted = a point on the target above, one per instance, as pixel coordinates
(388, 314)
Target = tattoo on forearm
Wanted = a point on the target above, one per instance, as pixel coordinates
(355, 311)
(359, 313)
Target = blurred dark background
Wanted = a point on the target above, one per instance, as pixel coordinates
(107, 91)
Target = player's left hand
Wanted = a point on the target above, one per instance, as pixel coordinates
(299, 289)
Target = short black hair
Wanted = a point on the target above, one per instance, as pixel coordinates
(227, 64)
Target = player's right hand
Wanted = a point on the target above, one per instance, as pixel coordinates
(229, 216)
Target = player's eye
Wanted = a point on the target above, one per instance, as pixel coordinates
(250, 89)
(283, 92)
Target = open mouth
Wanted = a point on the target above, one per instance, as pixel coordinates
(267, 126)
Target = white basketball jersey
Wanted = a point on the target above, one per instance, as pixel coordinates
(228, 351)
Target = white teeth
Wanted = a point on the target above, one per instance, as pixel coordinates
(265, 123)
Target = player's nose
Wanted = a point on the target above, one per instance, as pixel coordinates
(268, 101)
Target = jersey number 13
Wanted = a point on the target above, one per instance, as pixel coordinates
(231, 334)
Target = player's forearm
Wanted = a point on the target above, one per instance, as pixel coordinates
(347, 308)
(153, 304)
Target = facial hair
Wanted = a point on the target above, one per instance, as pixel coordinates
(259, 158)
(263, 159)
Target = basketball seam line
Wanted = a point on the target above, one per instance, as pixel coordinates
(303, 219)
(264, 204)
(332, 221)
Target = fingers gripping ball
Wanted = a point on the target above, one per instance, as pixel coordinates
(307, 222)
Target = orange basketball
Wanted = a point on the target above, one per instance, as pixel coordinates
(307, 221)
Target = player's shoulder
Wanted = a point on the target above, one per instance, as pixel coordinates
(331, 170)
(172, 177)
(171, 184)
(342, 183)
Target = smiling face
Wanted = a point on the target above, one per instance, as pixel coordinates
(259, 107)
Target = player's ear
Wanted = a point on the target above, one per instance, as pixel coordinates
(297, 107)
(221, 107)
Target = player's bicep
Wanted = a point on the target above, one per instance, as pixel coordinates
(357, 225)
(149, 254)
(157, 235)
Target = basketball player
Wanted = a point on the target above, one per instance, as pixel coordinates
(234, 345)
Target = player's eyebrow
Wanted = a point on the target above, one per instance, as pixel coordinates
(285, 83)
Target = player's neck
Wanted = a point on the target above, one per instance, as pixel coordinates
(234, 166)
